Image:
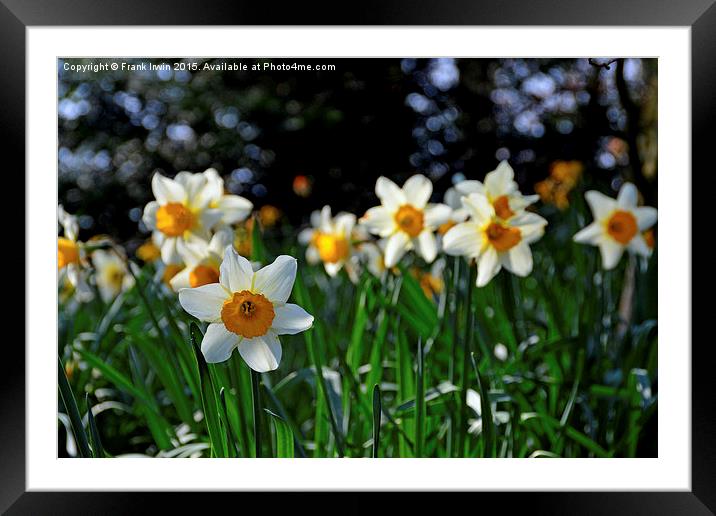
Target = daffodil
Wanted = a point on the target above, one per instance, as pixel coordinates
(494, 242)
(405, 220)
(247, 310)
(618, 225)
(202, 260)
(71, 261)
(330, 241)
(111, 274)
(187, 208)
(501, 191)
(370, 255)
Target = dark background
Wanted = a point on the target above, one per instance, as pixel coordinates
(341, 129)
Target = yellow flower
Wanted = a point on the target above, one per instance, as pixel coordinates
(330, 241)
(148, 252)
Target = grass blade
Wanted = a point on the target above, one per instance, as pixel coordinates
(377, 411)
(68, 399)
(419, 402)
(95, 441)
(231, 444)
(284, 437)
(256, 397)
(488, 427)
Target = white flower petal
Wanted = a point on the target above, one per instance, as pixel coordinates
(436, 214)
(488, 266)
(417, 190)
(290, 319)
(478, 207)
(170, 254)
(469, 187)
(344, 223)
(463, 240)
(220, 241)
(193, 184)
(209, 218)
(181, 279)
(501, 180)
(263, 353)
(333, 268)
(312, 255)
(518, 260)
(235, 272)
(473, 400)
(638, 246)
(325, 220)
(379, 221)
(628, 196)
(645, 217)
(601, 205)
(212, 191)
(592, 234)
(234, 208)
(611, 253)
(427, 245)
(218, 343)
(275, 281)
(395, 248)
(205, 302)
(305, 236)
(167, 190)
(149, 217)
(390, 194)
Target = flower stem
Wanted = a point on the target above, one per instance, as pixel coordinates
(464, 378)
(256, 396)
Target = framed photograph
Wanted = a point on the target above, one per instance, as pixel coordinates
(453, 245)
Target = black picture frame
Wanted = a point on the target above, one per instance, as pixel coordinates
(699, 15)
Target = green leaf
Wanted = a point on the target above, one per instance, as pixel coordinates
(95, 441)
(208, 395)
(232, 448)
(284, 436)
(419, 403)
(68, 399)
(377, 411)
(488, 426)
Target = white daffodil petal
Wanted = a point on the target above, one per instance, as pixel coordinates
(235, 272)
(427, 245)
(170, 254)
(501, 180)
(275, 281)
(325, 220)
(592, 234)
(181, 279)
(193, 184)
(290, 319)
(417, 190)
(645, 217)
(478, 207)
(312, 255)
(305, 236)
(473, 400)
(262, 354)
(395, 248)
(600, 204)
(463, 240)
(333, 268)
(379, 221)
(469, 187)
(218, 343)
(149, 217)
(628, 196)
(167, 190)
(436, 214)
(210, 217)
(234, 208)
(488, 266)
(638, 246)
(390, 194)
(611, 252)
(205, 302)
(518, 260)
(344, 223)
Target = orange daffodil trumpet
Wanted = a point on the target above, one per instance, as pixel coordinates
(405, 220)
(247, 310)
(494, 242)
(501, 190)
(618, 225)
(330, 241)
(187, 208)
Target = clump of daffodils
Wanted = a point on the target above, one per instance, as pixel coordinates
(619, 225)
(247, 310)
(498, 231)
(405, 220)
(187, 209)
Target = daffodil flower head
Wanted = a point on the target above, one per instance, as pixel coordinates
(501, 191)
(618, 225)
(494, 242)
(329, 241)
(111, 274)
(202, 260)
(187, 208)
(405, 220)
(247, 310)
(71, 261)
